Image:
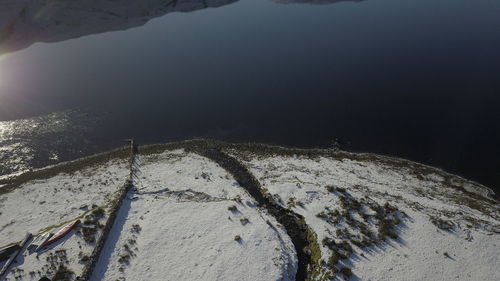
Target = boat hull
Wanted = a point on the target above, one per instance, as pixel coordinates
(61, 233)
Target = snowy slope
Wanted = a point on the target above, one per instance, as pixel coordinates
(39, 204)
(468, 250)
(48, 204)
(177, 226)
(187, 218)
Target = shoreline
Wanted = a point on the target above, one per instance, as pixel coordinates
(326, 208)
(12, 181)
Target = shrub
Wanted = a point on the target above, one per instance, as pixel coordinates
(389, 208)
(124, 259)
(136, 228)
(292, 202)
(85, 259)
(89, 234)
(321, 215)
(344, 245)
(443, 224)
(333, 260)
(346, 271)
(329, 243)
(63, 273)
(98, 213)
(385, 229)
(331, 217)
(349, 203)
(364, 229)
(366, 217)
(332, 188)
(362, 242)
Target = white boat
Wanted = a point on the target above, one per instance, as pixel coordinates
(39, 240)
(15, 254)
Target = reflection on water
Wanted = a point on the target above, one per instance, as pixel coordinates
(314, 2)
(38, 141)
(384, 76)
(25, 22)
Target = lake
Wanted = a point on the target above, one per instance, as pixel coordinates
(416, 79)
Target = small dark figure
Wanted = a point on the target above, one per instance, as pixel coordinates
(44, 279)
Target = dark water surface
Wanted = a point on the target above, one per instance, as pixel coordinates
(418, 79)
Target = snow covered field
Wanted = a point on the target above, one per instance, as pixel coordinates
(466, 246)
(47, 204)
(178, 226)
(187, 218)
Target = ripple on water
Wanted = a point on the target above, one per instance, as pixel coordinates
(43, 140)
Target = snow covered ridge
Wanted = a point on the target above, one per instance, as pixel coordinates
(383, 218)
(13, 181)
(189, 220)
(205, 210)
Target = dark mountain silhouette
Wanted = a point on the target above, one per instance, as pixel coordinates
(25, 22)
(314, 2)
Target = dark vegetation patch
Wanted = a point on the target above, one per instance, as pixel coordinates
(18, 273)
(114, 207)
(293, 203)
(63, 274)
(474, 201)
(237, 198)
(33, 274)
(89, 234)
(332, 188)
(346, 271)
(443, 224)
(125, 257)
(57, 266)
(129, 248)
(136, 229)
(354, 222)
(312, 249)
(330, 216)
(91, 225)
(83, 258)
(244, 221)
